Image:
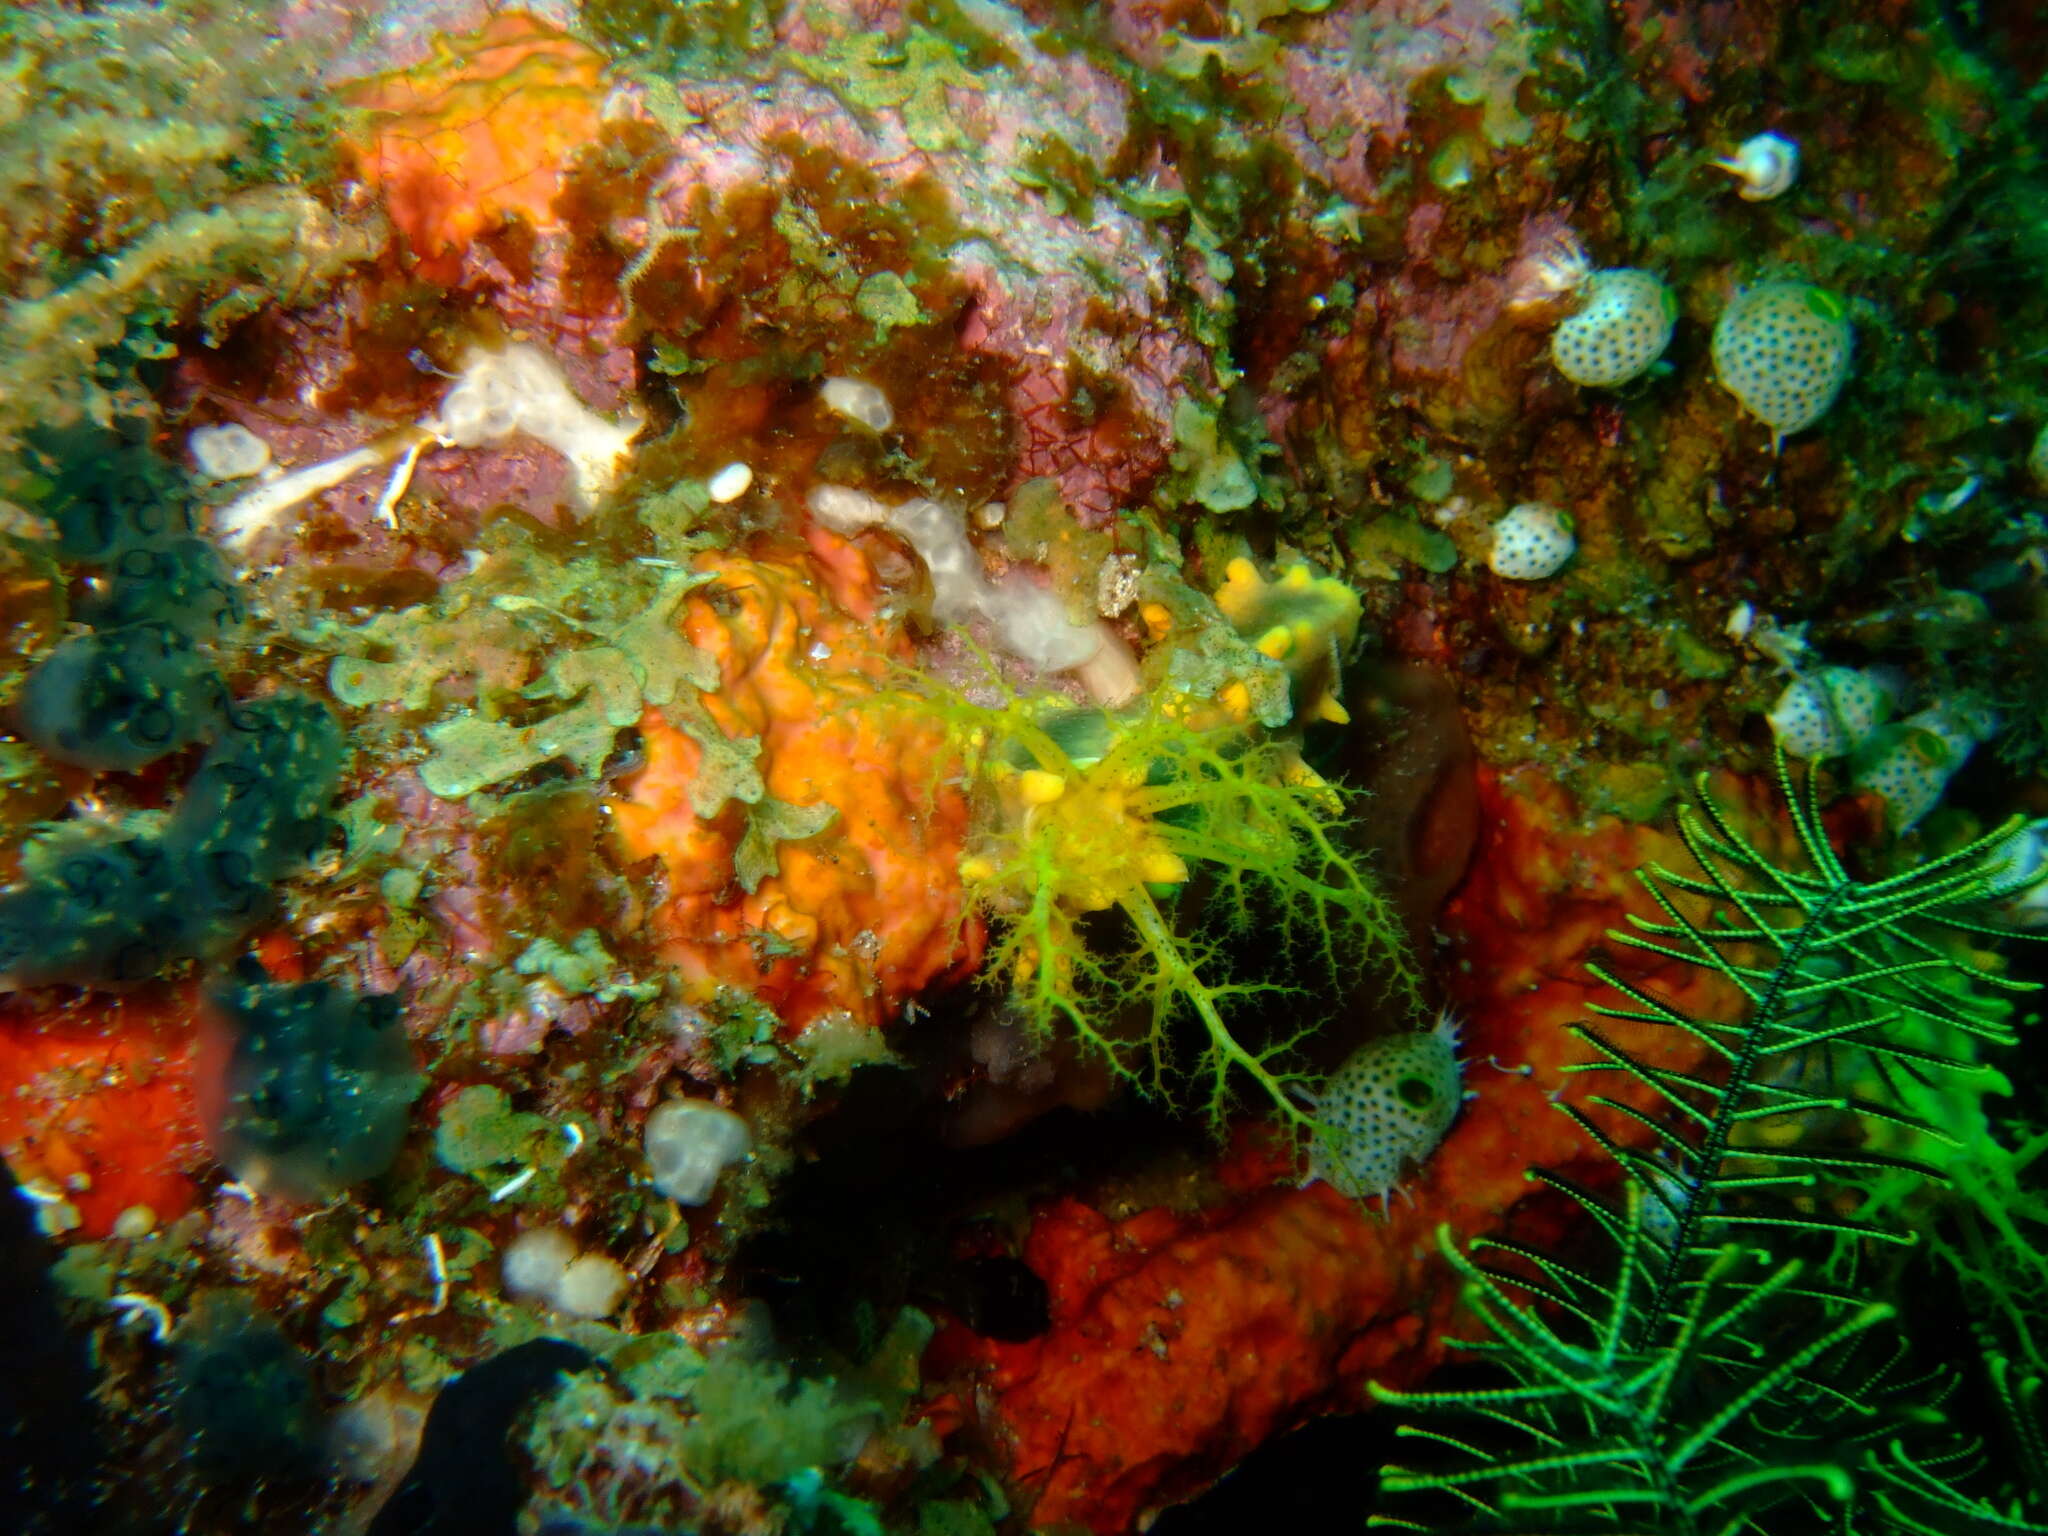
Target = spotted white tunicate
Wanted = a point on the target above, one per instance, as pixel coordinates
(1829, 713)
(1915, 759)
(1386, 1107)
(1783, 350)
(1621, 328)
(1861, 702)
(2018, 871)
(1533, 541)
(1802, 722)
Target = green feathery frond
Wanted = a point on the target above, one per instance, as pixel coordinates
(1710, 1379)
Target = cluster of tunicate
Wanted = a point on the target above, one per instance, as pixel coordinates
(136, 685)
(1385, 1108)
(547, 1266)
(1830, 712)
(318, 1085)
(1532, 542)
(111, 900)
(1845, 712)
(1622, 326)
(1783, 350)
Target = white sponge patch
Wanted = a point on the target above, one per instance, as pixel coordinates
(689, 1143)
(856, 400)
(229, 451)
(1030, 619)
(521, 389)
(544, 1266)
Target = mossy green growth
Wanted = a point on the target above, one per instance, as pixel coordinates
(480, 1133)
(1081, 812)
(697, 1433)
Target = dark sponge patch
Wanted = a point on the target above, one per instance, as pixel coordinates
(101, 904)
(318, 1088)
(244, 1394)
(119, 700)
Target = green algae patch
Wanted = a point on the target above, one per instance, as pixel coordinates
(885, 301)
(1639, 792)
(480, 1131)
(582, 968)
(1210, 468)
(1694, 658)
(472, 752)
(914, 75)
(769, 823)
(1396, 539)
(483, 640)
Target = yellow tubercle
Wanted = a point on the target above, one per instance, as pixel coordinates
(1038, 787)
(1238, 597)
(1163, 868)
(1298, 618)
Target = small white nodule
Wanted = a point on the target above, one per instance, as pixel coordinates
(731, 482)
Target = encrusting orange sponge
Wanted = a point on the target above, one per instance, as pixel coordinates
(860, 915)
(480, 131)
(96, 1106)
(1182, 1338)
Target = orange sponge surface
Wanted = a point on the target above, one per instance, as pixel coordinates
(96, 1102)
(856, 918)
(480, 131)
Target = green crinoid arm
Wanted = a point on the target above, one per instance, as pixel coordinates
(1714, 1379)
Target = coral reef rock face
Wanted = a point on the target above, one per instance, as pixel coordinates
(678, 673)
